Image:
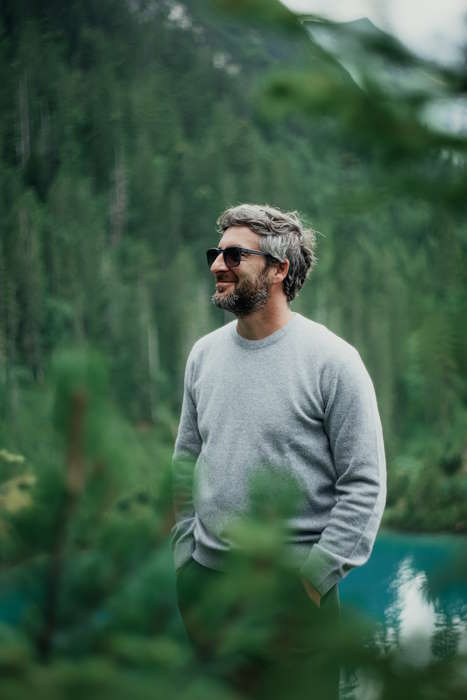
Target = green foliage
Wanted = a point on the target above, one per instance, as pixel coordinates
(126, 128)
(87, 584)
(131, 132)
(262, 12)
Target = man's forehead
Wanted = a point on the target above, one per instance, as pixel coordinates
(241, 236)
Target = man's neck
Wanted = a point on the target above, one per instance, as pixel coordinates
(264, 322)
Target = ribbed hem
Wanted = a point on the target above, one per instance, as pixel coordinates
(211, 558)
(297, 556)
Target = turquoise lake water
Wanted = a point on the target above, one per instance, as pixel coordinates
(415, 588)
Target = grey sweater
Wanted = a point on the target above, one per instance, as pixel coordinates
(298, 402)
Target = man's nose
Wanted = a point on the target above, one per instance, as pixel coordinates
(219, 265)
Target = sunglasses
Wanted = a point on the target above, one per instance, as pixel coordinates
(232, 255)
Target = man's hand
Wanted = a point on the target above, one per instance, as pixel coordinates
(312, 592)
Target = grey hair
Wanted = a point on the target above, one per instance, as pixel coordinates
(283, 235)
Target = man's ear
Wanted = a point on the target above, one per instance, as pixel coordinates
(281, 270)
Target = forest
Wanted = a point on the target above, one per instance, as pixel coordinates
(127, 128)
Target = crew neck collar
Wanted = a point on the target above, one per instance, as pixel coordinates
(268, 340)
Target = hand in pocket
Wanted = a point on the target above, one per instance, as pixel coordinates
(312, 593)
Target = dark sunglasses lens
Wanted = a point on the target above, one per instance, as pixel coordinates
(211, 255)
(232, 257)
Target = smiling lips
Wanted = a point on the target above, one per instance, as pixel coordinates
(221, 286)
(222, 282)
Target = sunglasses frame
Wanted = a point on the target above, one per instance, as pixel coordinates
(225, 253)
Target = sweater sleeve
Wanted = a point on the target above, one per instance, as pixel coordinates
(187, 449)
(353, 426)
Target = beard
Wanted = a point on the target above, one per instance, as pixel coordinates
(248, 296)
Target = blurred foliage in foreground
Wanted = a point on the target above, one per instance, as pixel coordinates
(86, 580)
(127, 127)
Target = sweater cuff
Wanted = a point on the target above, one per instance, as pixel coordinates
(183, 551)
(320, 570)
(183, 543)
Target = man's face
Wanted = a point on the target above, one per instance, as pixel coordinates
(245, 288)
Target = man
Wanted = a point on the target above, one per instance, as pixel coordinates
(274, 391)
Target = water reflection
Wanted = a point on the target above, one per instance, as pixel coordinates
(421, 616)
(411, 619)
(421, 628)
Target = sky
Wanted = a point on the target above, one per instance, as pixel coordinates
(434, 29)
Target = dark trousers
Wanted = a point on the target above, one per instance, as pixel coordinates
(261, 632)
